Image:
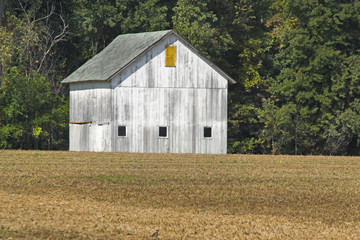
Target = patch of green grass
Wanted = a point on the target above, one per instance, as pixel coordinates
(7, 233)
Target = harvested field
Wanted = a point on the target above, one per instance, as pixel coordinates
(63, 195)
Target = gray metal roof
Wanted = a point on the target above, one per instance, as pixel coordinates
(115, 56)
(119, 53)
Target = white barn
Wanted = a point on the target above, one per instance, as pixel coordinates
(149, 92)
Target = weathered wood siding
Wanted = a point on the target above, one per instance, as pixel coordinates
(90, 101)
(149, 71)
(185, 98)
(184, 111)
(145, 95)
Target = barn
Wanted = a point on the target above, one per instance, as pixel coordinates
(149, 92)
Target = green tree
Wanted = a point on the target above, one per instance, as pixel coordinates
(30, 90)
(197, 23)
(27, 111)
(96, 23)
(316, 49)
(278, 125)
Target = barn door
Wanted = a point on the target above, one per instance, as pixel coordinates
(100, 137)
(79, 137)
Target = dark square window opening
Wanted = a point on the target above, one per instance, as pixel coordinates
(162, 131)
(207, 132)
(122, 131)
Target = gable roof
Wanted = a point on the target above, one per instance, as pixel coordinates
(122, 51)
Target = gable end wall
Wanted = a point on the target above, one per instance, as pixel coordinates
(185, 98)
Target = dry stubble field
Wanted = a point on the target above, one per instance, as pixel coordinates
(64, 195)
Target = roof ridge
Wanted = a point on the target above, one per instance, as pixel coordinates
(116, 55)
(121, 52)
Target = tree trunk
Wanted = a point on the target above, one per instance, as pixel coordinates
(49, 141)
(2, 11)
(2, 18)
(297, 129)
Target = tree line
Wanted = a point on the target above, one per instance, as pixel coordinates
(296, 63)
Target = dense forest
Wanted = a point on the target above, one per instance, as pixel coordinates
(296, 63)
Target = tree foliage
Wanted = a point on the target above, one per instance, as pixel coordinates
(317, 50)
(30, 92)
(296, 64)
(31, 116)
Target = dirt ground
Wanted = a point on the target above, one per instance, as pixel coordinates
(77, 195)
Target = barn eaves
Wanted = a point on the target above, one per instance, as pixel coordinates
(123, 50)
